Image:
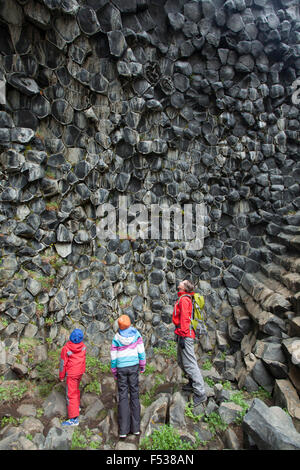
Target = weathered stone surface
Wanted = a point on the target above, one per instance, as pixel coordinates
(87, 20)
(285, 396)
(55, 405)
(229, 412)
(270, 428)
(176, 412)
(292, 347)
(62, 111)
(26, 85)
(59, 438)
(154, 416)
(117, 43)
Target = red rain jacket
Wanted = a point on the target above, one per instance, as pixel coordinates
(72, 360)
(182, 314)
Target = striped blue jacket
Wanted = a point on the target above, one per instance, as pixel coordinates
(127, 349)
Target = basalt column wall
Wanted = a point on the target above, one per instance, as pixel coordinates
(161, 103)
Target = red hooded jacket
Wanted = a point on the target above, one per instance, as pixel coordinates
(182, 314)
(72, 360)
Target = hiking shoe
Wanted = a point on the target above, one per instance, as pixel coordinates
(198, 399)
(122, 436)
(71, 422)
(137, 433)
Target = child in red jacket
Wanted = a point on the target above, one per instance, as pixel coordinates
(72, 366)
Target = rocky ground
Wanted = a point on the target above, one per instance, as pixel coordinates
(33, 407)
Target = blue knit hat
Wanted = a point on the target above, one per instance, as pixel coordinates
(76, 336)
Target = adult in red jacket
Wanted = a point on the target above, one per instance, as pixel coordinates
(185, 336)
(72, 366)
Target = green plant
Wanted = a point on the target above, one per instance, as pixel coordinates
(210, 382)
(50, 174)
(147, 398)
(169, 351)
(13, 392)
(227, 385)
(79, 440)
(47, 372)
(4, 322)
(46, 282)
(238, 399)
(149, 369)
(207, 365)
(52, 206)
(39, 308)
(93, 387)
(95, 445)
(165, 438)
(189, 413)
(94, 366)
(39, 412)
(223, 355)
(262, 394)
(27, 347)
(215, 422)
(9, 420)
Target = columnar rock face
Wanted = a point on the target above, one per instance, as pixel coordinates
(152, 103)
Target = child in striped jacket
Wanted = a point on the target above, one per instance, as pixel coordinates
(127, 360)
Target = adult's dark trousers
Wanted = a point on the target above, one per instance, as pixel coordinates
(129, 409)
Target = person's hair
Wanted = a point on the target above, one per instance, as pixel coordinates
(189, 286)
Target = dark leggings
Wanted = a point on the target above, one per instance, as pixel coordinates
(129, 409)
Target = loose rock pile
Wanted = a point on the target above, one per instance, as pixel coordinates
(34, 423)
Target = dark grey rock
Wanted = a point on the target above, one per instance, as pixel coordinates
(63, 234)
(5, 135)
(12, 160)
(177, 100)
(126, 6)
(245, 63)
(54, 405)
(59, 439)
(156, 277)
(262, 376)
(69, 6)
(235, 23)
(87, 20)
(110, 19)
(26, 85)
(276, 91)
(117, 43)
(122, 181)
(176, 20)
(208, 8)
(99, 83)
(21, 135)
(62, 111)
(6, 120)
(270, 428)
(82, 169)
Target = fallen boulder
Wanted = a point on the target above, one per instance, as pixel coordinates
(270, 428)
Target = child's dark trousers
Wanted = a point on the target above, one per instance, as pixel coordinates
(129, 409)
